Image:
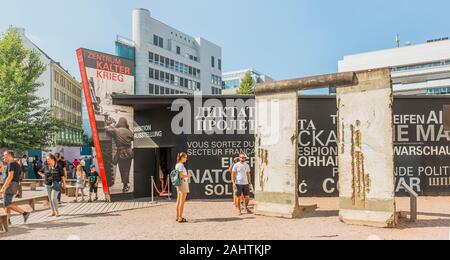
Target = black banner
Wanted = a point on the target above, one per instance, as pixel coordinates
(421, 139)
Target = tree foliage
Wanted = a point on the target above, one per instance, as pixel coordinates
(247, 84)
(26, 120)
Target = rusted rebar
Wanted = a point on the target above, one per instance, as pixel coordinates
(308, 83)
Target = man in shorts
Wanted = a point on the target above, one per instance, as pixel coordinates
(11, 185)
(241, 178)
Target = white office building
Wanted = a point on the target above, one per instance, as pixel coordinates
(169, 61)
(416, 69)
(232, 80)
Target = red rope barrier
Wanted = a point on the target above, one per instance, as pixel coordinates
(164, 190)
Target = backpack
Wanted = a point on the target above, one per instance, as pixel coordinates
(175, 178)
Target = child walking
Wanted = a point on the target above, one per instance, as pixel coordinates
(93, 183)
(81, 183)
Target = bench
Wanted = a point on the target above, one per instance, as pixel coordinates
(41, 182)
(38, 182)
(3, 220)
(71, 182)
(70, 191)
(31, 185)
(31, 202)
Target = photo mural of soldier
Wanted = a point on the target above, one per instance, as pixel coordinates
(103, 76)
(123, 156)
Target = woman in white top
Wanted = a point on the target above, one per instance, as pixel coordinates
(183, 190)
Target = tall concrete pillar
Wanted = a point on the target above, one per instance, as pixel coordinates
(366, 150)
(141, 37)
(276, 151)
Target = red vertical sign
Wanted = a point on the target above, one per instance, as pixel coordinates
(112, 126)
(93, 123)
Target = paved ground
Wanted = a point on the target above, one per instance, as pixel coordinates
(73, 210)
(217, 220)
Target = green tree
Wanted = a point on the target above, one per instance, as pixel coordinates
(247, 84)
(26, 122)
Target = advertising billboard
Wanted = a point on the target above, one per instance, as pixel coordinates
(104, 75)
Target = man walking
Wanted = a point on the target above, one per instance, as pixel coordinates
(10, 187)
(62, 164)
(241, 178)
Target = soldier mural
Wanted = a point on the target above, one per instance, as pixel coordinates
(104, 75)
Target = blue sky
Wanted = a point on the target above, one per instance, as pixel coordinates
(283, 38)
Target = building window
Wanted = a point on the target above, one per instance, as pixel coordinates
(158, 41)
(151, 73)
(167, 62)
(438, 91)
(150, 56)
(167, 79)
(213, 62)
(178, 50)
(216, 80)
(220, 64)
(216, 91)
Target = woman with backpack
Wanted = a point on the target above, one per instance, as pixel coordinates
(183, 188)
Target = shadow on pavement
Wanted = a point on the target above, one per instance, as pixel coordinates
(25, 229)
(218, 220)
(321, 214)
(90, 216)
(434, 214)
(424, 223)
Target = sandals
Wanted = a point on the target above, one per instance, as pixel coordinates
(183, 220)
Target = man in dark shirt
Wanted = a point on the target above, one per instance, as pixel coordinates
(37, 165)
(11, 186)
(62, 164)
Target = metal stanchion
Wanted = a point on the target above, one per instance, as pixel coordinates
(153, 183)
(168, 189)
(153, 192)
